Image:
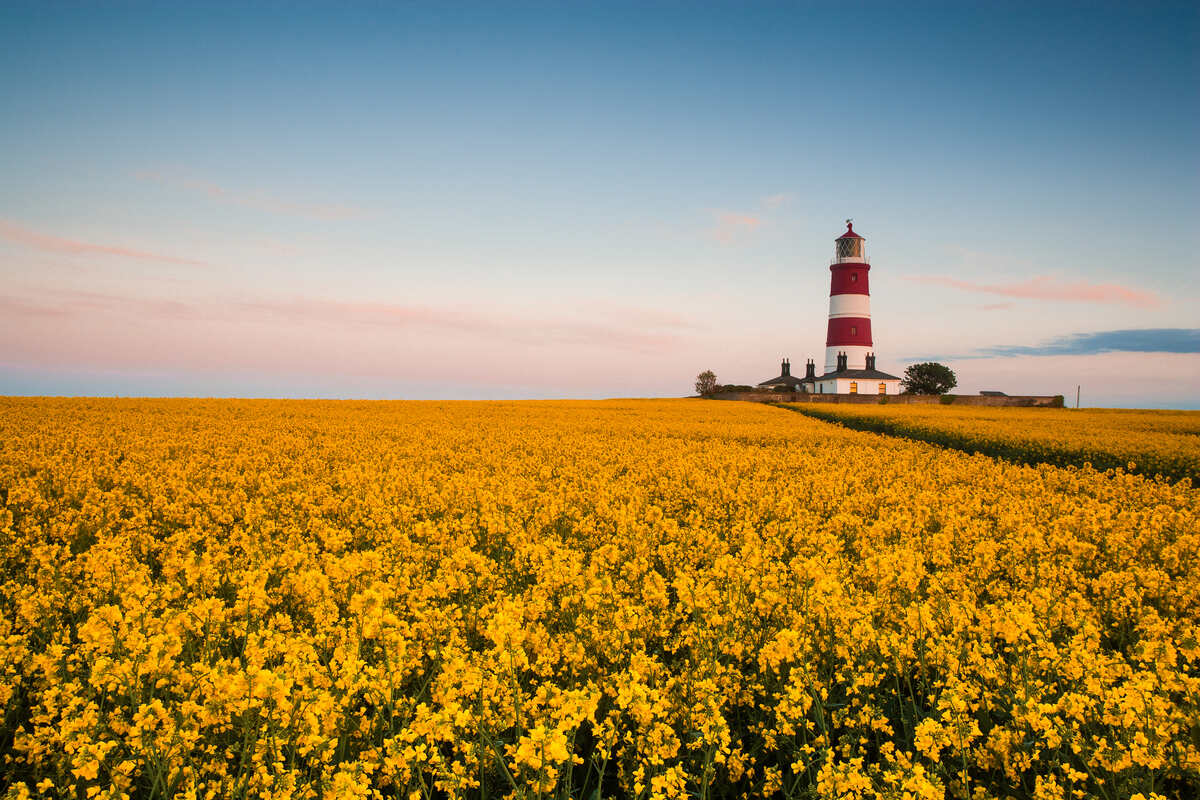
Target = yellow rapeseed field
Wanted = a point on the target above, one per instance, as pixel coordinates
(1148, 442)
(633, 599)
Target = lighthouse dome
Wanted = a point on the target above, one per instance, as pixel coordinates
(849, 234)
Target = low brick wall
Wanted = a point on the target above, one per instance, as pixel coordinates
(1048, 401)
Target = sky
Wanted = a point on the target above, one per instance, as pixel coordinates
(511, 200)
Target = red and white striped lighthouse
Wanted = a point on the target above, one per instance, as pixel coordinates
(849, 333)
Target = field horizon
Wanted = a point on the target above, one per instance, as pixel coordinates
(440, 399)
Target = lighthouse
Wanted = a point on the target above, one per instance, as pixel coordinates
(849, 348)
(848, 339)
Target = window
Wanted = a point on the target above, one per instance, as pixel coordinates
(854, 277)
(882, 387)
(854, 330)
(853, 387)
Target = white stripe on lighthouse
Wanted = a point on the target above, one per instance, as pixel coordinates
(850, 305)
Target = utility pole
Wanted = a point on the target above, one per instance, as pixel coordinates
(1077, 397)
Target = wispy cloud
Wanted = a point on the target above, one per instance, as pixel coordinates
(996, 306)
(1044, 287)
(12, 232)
(776, 200)
(985, 260)
(1133, 340)
(731, 226)
(16, 307)
(258, 200)
(639, 317)
(514, 327)
(75, 303)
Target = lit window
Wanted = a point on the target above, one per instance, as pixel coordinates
(882, 387)
(853, 387)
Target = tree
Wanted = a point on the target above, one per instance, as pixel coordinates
(928, 378)
(706, 382)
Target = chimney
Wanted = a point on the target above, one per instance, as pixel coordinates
(786, 367)
(810, 369)
(841, 362)
(870, 361)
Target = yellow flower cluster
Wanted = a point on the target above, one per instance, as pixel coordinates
(637, 599)
(1146, 442)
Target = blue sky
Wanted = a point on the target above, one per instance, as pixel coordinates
(556, 200)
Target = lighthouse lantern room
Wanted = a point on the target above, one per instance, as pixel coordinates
(850, 247)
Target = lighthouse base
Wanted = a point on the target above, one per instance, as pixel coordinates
(856, 356)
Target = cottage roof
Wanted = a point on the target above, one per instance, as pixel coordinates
(783, 380)
(858, 374)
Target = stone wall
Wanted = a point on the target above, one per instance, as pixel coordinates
(1049, 401)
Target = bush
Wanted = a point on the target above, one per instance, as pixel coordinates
(946, 399)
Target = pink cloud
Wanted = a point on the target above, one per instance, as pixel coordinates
(88, 306)
(731, 226)
(55, 244)
(261, 201)
(13, 307)
(625, 329)
(333, 343)
(1044, 287)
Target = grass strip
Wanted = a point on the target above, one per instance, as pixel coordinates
(1016, 451)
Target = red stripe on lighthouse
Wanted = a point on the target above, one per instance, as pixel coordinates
(845, 331)
(849, 279)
